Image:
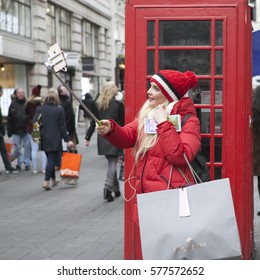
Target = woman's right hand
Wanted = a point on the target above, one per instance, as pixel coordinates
(160, 114)
(104, 128)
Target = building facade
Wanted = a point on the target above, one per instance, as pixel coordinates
(255, 16)
(90, 32)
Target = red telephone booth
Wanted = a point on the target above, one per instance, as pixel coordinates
(213, 39)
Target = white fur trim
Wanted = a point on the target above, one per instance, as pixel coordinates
(169, 108)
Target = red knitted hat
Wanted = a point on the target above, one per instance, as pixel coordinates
(174, 84)
(36, 91)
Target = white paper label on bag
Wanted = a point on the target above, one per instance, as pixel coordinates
(184, 206)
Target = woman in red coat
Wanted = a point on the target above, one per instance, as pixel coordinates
(157, 144)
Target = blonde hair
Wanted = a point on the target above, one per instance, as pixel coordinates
(32, 97)
(144, 141)
(52, 97)
(108, 91)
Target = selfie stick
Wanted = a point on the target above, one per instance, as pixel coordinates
(53, 62)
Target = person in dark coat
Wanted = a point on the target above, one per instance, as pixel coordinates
(256, 136)
(3, 150)
(65, 102)
(90, 103)
(109, 107)
(52, 132)
(17, 127)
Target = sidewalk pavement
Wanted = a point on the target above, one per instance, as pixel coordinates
(69, 222)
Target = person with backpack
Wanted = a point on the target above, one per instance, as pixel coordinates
(159, 147)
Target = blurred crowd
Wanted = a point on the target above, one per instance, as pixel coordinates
(58, 132)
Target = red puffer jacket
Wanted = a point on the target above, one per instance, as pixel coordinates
(153, 170)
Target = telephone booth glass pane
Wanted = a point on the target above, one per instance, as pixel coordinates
(219, 33)
(219, 63)
(218, 121)
(150, 62)
(195, 95)
(194, 60)
(218, 172)
(184, 33)
(205, 148)
(205, 121)
(150, 33)
(218, 149)
(218, 91)
(205, 91)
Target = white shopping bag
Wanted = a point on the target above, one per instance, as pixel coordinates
(207, 231)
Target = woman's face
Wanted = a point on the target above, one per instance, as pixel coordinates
(155, 95)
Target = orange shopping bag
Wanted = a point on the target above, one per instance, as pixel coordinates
(11, 151)
(70, 165)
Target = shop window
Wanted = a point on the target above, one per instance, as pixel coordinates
(15, 17)
(50, 25)
(58, 26)
(65, 30)
(90, 39)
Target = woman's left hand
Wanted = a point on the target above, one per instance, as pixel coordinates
(160, 114)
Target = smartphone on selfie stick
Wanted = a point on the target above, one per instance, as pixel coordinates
(57, 62)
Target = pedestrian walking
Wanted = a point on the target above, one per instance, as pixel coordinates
(17, 127)
(52, 132)
(90, 103)
(66, 103)
(3, 150)
(256, 136)
(159, 147)
(34, 101)
(109, 107)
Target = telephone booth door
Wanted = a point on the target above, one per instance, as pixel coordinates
(213, 39)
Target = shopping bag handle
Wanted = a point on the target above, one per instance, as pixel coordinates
(193, 172)
(72, 150)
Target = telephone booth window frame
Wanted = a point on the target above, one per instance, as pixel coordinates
(210, 110)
